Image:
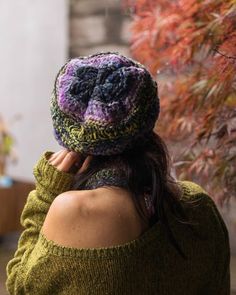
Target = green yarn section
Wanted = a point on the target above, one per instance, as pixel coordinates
(79, 136)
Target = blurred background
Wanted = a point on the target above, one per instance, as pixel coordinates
(182, 43)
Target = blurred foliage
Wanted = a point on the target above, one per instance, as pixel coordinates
(6, 145)
(191, 46)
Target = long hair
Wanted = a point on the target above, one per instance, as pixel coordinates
(146, 167)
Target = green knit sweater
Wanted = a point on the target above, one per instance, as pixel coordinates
(147, 265)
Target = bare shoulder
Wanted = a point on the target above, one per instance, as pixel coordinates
(93, 218)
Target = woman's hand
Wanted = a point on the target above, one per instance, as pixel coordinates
(69, 161)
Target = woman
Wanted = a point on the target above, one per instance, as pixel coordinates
(106, 216)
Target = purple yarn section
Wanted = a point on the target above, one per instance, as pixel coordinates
(101, 88)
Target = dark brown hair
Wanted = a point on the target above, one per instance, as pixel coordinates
(147, 168)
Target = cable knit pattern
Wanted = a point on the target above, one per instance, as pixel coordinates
(103, 103)
(148, 265)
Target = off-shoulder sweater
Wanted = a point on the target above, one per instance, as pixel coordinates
(148, 265)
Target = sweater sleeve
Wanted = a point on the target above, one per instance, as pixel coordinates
(50, 182)
(221, 279)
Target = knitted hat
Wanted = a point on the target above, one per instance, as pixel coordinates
(103, 103)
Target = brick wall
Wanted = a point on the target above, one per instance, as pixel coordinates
(98, 25)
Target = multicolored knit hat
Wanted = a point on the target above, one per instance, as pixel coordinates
(102, 104)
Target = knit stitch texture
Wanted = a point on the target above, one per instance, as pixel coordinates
(148, 265)
(102, 104)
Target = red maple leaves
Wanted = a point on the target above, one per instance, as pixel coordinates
(190, 45)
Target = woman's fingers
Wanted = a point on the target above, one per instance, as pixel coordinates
(54, 155)
(58, 158)
(68, 161)
(85, 164)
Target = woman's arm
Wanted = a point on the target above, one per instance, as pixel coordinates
(52, 179)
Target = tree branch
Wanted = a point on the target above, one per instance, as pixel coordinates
(224, 55)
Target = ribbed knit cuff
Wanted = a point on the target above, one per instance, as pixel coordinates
(51, 179)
